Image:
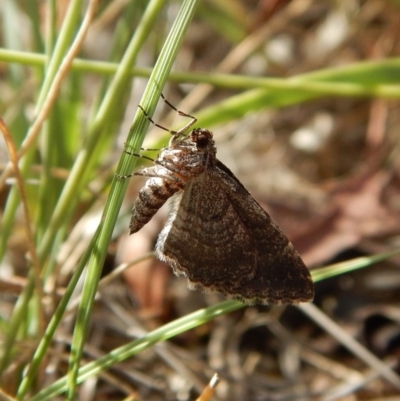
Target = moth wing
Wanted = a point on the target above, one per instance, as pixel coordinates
(204, 240)
(281, 275)
(226, 242)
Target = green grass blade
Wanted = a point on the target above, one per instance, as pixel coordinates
(135, 138)
(351, 265)
(188, 322)
(46, 340)
(25, 163)
(120, 354)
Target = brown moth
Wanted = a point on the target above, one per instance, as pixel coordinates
(216, 234)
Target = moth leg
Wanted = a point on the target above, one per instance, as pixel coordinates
(159, 172)
(154, 171)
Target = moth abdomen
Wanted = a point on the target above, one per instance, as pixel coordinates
(151, 197)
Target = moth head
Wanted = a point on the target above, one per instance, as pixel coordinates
(203, 138)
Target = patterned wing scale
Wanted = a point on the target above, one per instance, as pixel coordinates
(243, 253)
(217, 234)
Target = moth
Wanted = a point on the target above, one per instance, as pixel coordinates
(216, 234)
